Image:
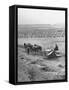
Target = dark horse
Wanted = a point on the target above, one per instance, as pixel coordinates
(32, 48)
(28, 47)
(37, 47)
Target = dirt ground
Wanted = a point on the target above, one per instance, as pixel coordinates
(37, 68)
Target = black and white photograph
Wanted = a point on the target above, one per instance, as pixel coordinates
(41, 45)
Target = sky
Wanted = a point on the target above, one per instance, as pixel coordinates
(40, 16)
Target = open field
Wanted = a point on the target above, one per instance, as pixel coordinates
(36, 67)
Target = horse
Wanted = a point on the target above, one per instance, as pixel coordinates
(39, 48)
(36, 48)
(28, 47)
(32, 48)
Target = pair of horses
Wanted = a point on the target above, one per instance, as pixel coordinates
(32, 48)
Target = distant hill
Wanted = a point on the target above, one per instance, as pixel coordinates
(40, 30)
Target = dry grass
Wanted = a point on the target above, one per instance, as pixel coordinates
(35, 68)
